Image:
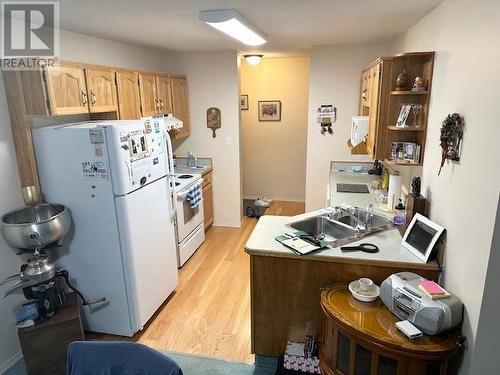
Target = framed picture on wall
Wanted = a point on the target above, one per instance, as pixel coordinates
(270, 110)
(244, 102)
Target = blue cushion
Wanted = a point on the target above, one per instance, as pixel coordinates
(117, 358)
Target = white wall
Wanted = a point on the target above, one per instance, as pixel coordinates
(213, 81)
(488, 330)
(84, 48)
(274, 153)
(464, 198)
(76, 47)
(334, 79)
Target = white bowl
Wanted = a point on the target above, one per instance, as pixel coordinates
(369, 295)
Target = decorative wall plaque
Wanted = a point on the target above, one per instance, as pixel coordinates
(213, 119)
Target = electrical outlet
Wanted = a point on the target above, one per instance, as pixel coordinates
(228, 140)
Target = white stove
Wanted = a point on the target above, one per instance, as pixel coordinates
(183, 180)
(189, 221)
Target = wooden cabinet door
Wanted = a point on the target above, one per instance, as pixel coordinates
(208, 205)
(129, 101)
(164, 92)
(180, 104)
(148, 94)
(374, 89)
(101, 90)
(66, 89)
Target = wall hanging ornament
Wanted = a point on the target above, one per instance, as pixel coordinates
(213, 119)
(452, 132)
(327, 115)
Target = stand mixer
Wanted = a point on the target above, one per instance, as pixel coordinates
(38, 228)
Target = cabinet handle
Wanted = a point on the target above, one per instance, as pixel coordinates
(157, 103)
(84, 97)
(92, 98)
(161, 103)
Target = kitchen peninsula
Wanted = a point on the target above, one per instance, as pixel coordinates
(285, 287)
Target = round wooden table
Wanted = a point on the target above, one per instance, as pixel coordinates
(361, 338)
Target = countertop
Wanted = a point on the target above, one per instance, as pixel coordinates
(262, 242)
(204, 166)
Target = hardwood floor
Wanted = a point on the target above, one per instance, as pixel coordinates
(209, 313)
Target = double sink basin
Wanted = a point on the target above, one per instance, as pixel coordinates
(341, 225)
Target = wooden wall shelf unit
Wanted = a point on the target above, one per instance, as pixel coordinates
(95, 91)
(382, 102)
(359, 149)
(361, 338)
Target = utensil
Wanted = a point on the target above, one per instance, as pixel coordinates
(35, 227)
(365, 247)
(37, 270)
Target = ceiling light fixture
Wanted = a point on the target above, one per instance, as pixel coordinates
(253, 59)
(231, 23)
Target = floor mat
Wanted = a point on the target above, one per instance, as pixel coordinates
(196, 365)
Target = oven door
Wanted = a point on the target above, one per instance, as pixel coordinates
(188, 218)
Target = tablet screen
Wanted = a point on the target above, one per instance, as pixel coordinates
(420, 236)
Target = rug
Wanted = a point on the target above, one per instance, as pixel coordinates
(195, 365)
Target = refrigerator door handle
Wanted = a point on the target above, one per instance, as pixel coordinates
(170, 175)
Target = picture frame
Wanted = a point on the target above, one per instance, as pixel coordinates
(244, 102)
(421, 237)
(269, 110)
(403, 115)
(409, 151)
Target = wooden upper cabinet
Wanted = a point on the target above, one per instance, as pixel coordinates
(164, 92)
(180, 104)
(148, 94)
(66, 90)
(129, 101)
(101, 90)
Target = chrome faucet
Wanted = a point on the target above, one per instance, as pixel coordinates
(369, 217)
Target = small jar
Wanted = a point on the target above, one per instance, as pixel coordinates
(400, 213)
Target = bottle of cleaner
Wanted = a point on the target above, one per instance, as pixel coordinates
(400, 213)
(191, 160)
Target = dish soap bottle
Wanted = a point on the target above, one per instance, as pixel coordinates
(191, 160)
(400, 213)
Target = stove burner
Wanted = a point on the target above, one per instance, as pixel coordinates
(185, 176)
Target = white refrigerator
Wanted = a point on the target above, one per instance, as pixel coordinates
(114, 176)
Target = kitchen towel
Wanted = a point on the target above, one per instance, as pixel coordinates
(194, 196)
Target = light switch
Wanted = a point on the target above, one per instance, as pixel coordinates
(228, 140)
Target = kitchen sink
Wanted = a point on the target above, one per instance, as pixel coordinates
(342, 225)
(322, 227)
(361, 216)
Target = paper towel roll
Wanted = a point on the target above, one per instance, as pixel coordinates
(394, 192)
